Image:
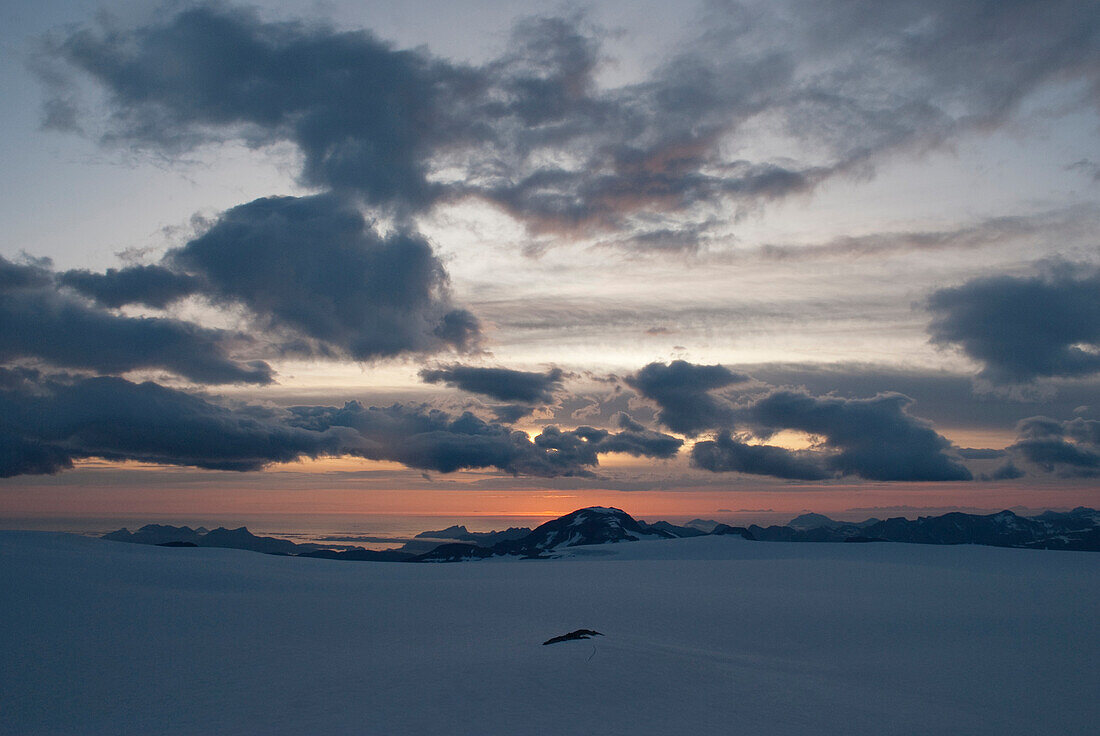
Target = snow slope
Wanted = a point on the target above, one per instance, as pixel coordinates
(707, 633)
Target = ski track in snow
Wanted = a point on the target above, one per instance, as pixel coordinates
(712, 634)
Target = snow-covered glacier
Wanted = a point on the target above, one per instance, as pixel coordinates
(709, 634)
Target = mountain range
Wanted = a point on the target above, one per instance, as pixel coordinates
(1078, 529)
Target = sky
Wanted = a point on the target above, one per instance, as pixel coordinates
(514, 258)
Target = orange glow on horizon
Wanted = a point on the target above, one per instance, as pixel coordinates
(262, 496)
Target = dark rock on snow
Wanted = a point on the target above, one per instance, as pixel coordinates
(572, 636)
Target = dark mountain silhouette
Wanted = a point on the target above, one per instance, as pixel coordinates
(593, 525)
(360, 554)
(455, 552)
(241, 538)
(703, 525)
(812, 521)
(157, 534)
(774, 533)
(723, 529)
(676, 531)
(483, 539)
(1078, 529)
(1074, 530)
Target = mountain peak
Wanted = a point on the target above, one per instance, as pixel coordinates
(811, 521)
(591, 525)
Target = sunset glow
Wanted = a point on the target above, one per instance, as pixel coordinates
(516, 261)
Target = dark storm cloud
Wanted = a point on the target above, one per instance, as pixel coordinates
(312, 274)
(313, 266)
(45, 424)
(363, 115)
(48, 422)
(153, 286)
(682, 390)
(502, 384)
(1023, 328)
(39, 322)
(872, 438)
(1068, 448)
(725, 454)
(511, 413)
(531, 131)
(947, 399)
(978, 453)
(1008, 471)
(430, 439)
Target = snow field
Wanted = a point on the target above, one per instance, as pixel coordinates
(708, 633)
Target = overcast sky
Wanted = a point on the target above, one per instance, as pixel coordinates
(824, 254)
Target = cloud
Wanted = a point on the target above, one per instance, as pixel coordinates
(47, 422)
(1023, 328)
(511, 413)
(724, 454)
(1077, 222)
(945, 398)
(1008, 471)
(430, 439)
(1086, 166)
(836, 84)
(314, 267)
(682, 390)
(1069, 448)
(872, 438)
(502, 384)
(313, 276)
(39, 322)
(152, 286)
(972, 453)
(363, 115)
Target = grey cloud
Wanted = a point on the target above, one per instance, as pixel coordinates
(1079, 222)
(363, 114)
(682, 390)
(872, 438)
(971, 453)
(48, 422)
(1068, 448)
(15, 276)
(502, 384)
(430, 439)
(915, 72)
(153, 286)
(45, 424)
(313, 266)
(510, 413)
(38, 322)
(1086, 166)
(1023, 328)
(1008, 471)
(847, 79)
(947, 399)
(634, 439)
(313, 275)
(724, 454)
